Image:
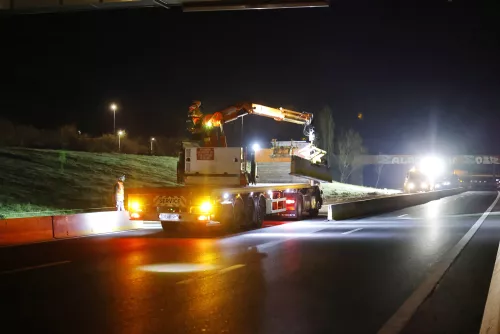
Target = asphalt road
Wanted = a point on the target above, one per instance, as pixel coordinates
(311, 276)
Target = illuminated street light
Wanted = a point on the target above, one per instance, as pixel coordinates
(113, 107)
(151, 141)
(255, 147)
(120, 134)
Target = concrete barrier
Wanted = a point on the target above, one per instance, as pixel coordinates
(384, 204)
(84, 224)
(25, 230)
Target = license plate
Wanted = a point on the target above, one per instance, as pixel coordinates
(169, 216)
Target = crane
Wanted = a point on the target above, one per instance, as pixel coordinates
(210, 126)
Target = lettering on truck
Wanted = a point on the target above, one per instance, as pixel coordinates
(170, 201)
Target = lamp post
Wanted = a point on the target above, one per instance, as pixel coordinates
(113, 107)
(151, 141)
(120, 134)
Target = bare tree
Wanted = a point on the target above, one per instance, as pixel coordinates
(349, 144)
(378, 170)
(326, 132)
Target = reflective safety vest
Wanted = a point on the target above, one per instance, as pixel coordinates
(119, 191)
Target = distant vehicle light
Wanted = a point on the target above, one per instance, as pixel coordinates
(438, 186)
(446, 183)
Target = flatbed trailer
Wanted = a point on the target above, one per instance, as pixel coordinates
(228, 207)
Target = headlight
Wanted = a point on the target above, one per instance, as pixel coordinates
(447, 183)
(206, 207)
(135, 206)
(411, 185)
(423, 185)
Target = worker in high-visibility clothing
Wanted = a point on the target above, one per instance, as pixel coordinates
(120, 193)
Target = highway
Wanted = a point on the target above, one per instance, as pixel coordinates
(311, 276)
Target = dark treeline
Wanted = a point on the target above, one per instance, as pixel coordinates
(69, 138)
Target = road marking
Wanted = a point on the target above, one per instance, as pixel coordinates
(352, 231)
(219, 272)
(403, 315)
(13, 271)
(403, 215)
(236, 266)
(490, 323)
(269, 244)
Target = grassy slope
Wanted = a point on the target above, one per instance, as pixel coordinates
(342, 192)
(34, 182)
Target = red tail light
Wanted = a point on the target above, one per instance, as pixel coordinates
(290, 201)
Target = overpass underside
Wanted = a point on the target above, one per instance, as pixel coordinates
(48, 6)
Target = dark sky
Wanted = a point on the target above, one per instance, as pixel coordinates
(425, 74)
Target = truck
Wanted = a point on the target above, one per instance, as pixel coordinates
(218, 183)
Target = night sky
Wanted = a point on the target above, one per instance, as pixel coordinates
(425, 74)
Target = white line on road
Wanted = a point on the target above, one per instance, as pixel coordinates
(219, 272)
(236, 266)
(13, 271)
(403, 215)
(403, 315)
(490, 323)
(352, 231)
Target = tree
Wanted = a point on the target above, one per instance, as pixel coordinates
(349, 144)
(378, 170)
(326, 132)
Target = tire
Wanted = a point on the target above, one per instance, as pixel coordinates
(233, 216)
(299, 208)
(249, 212)
(260, 211)
(239, 214)
(313, 213)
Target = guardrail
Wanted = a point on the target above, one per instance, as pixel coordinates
(374, 206)
(19, 231)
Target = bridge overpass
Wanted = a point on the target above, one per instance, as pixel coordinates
(49, 6)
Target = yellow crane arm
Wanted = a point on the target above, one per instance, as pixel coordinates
(281, 114)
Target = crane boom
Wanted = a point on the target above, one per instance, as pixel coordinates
(282, 114)
(210, 126)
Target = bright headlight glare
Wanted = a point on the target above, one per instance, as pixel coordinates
(423, 185)
(206, 207)
(135, 206)
(411, 185)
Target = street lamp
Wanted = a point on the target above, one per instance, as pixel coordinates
(255, 147)
(113, 107)
(151, 141)
(120, 134)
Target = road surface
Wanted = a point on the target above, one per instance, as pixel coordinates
(312, 276)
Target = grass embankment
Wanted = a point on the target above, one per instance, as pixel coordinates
(47, 182)
(336, 192)
(44, 182)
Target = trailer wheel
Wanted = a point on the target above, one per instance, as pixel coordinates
(239, 213)
(313, 213)
(299, 208)
(250, 211)
(260, 211)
